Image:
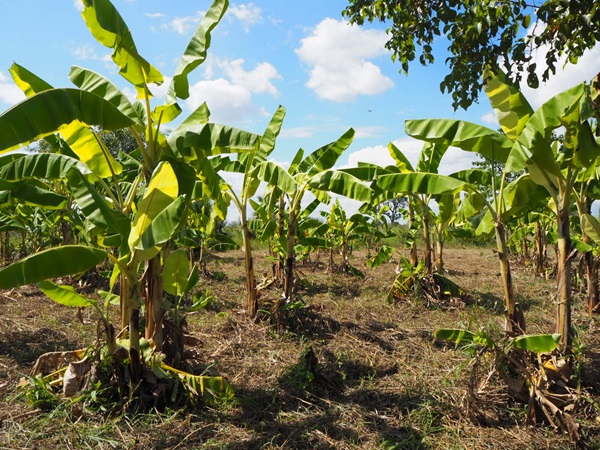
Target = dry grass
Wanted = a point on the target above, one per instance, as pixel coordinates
(381, 379)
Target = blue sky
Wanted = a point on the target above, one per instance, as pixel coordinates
(329, 75)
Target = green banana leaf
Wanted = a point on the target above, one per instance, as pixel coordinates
(95, 208)
(91, 81)
(195, 53)
(175, 272)
(108, 27)
(430, 157)
(537, 343)
(325, 157)
(32, 195)
(273, 174)
(533, 145)
(51, 263)
(467, 136)
(419, 183)
(401, 160)
(64, 295)
(46, 112)
(341, 183)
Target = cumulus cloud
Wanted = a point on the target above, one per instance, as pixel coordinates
(490, 118)
(566, 76)
(230, 94)
(9, 92)
(369, 131)
(454, 160)
(338, 55)
(247, 14)
(185, 24)
(298, 132)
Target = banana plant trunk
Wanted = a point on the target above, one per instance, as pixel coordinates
(540, 250)
(427, 241)
(345, 254)
(414, 257)
(591, 272)
(288, 285)
(153, 299)
(563, 309)
(439, 266)
(280, 233)
(251, 292)
(515, 320)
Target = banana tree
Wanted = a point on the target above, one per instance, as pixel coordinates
(312, 173)
(157, 196)
(247, 164)
(557, 166)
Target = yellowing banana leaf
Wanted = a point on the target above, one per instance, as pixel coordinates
(50, 263)
(162, 190)
(108, 27)
(48, 111)
(162, 226)
(206, 388)
(27, 81)
(64, 295)
(510, 105)
(195, 53)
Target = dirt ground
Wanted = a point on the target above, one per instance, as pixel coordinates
(379, 379)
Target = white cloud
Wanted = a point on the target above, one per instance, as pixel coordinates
(298, 132)
(78, 5)
(566, 76)
(248, 14)
(183, 25)
(338, 55)
(258, 80)
(155, 15)
(9, 92)
(230, 94)
(490, 118)
(453, 160)
(369, 131)
(85, 51)
(375, 155)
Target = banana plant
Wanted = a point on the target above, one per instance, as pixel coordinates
(312, 173)
(513, 112)
(134, 219)
(247, 164)
(556, 167)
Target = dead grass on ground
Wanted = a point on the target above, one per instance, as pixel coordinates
(378, 378)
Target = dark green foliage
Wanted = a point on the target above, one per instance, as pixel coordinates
(482, 33)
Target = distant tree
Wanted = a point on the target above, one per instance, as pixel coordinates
(484, 33)
(397, 209)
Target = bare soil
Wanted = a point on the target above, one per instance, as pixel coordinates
(381, 380)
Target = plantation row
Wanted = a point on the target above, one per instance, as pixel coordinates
(139, 216)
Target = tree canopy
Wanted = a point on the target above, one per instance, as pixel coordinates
(482, 33)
